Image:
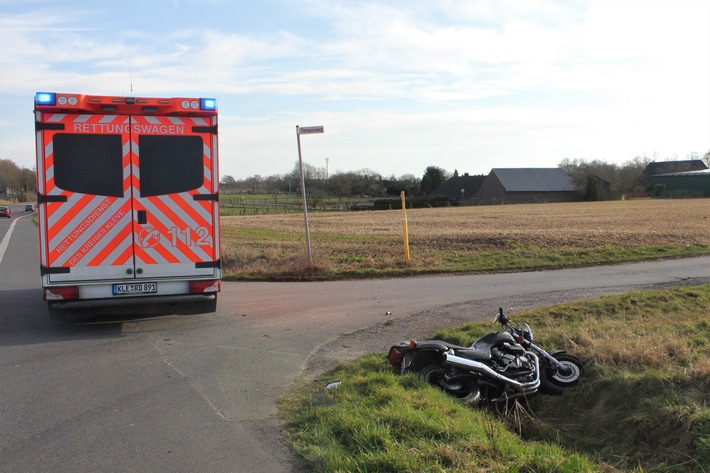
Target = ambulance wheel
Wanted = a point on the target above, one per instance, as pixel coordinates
(211, 306)
(53, 312)
(207, 306)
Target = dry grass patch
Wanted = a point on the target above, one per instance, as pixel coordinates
(464, 239)
(578, 225)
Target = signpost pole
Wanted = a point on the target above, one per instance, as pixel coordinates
(299, 131)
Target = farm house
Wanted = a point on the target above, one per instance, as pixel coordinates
(681, 184)
(461, 188)
(527, 185)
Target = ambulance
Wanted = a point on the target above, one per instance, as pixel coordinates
(128, 200)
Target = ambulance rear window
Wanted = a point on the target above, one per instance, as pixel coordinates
(170, 164)
(89, 164)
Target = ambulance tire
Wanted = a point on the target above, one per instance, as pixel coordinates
(61, 315)
(211, 305)
(54, 313)
(206, 306)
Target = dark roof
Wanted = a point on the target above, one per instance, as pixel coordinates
(535, 180)
(452, 187)
(668, 167)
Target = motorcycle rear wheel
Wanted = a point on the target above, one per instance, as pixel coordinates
(465, 390)
(555, 382)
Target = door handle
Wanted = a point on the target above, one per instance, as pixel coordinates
(142, 217)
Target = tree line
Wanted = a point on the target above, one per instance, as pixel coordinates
(595, 180)
(364, 182)
(21, 182)
(16, 181)
(600, 180)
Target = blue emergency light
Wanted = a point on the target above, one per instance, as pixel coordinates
(208, 104)
(46, 98)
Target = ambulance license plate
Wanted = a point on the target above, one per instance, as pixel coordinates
(135, 288)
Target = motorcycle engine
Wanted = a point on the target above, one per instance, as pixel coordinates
(511, 357)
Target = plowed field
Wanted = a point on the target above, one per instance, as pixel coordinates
(462, 239)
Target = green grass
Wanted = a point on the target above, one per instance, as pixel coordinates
(378, 422)
(338, 257)
(532, 257)
(643, 404)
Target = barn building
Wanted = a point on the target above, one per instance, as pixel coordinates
(461, 189)
(681, 184)
(668, 167)
(527, 185)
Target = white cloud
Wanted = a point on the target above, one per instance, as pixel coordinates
(398, 84)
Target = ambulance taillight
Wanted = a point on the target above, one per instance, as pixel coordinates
(65, 293)
(204, 287)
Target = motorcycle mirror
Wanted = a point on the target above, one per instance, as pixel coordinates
(498, 315)
(501, 317)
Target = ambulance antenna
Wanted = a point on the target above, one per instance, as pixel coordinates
(130, 71)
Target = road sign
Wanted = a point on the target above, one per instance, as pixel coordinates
(308, 130)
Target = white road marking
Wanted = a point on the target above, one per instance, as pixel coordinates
(6, 240)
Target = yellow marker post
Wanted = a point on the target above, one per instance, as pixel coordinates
(405, 230)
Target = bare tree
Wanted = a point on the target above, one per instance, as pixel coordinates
(228, 183)
(705, 157)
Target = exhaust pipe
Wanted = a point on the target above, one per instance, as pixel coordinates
(471, 365)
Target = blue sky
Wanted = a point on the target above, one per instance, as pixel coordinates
(398, 84)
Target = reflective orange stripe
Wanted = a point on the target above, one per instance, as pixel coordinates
(62, 223)
(124, 257)
(110, 243)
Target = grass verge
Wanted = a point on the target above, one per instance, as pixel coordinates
(642, 405)
(280, 263)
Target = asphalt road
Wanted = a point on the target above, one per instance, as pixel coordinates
(197, 393)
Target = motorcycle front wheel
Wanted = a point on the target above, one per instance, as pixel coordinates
(554, 380)
(465, 390)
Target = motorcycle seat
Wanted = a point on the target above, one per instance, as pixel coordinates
(478, 352)
(473, 353)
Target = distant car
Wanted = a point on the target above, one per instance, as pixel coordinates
(5, 212)
(29, 208)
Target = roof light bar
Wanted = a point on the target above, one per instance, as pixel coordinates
(46, 98)
(208, 104)
(52, 99)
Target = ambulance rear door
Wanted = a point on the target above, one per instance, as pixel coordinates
(85, 210)
(175, 196)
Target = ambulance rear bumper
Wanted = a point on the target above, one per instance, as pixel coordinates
(174, 296)
(132, 301)
(186, 304)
